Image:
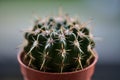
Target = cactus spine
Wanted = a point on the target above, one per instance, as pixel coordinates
(58, 44)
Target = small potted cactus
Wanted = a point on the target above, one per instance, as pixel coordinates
(58, 48)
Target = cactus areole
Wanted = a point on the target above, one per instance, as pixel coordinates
(58, 44)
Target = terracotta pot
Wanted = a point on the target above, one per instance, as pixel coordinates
(31, 74)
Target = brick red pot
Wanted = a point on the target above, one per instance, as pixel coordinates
(31, 74)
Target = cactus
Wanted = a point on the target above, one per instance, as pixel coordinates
(58, 44)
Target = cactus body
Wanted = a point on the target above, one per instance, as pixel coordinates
(58, 45)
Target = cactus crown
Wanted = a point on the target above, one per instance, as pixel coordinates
(58, 44)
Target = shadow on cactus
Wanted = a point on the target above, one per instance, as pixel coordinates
(58, 44)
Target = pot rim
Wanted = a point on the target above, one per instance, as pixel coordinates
(86, 68)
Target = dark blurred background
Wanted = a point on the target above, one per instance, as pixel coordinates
(17, 15)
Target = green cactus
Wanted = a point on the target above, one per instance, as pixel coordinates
(58, 44)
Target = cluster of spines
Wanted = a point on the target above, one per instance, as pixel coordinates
(58, 45)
